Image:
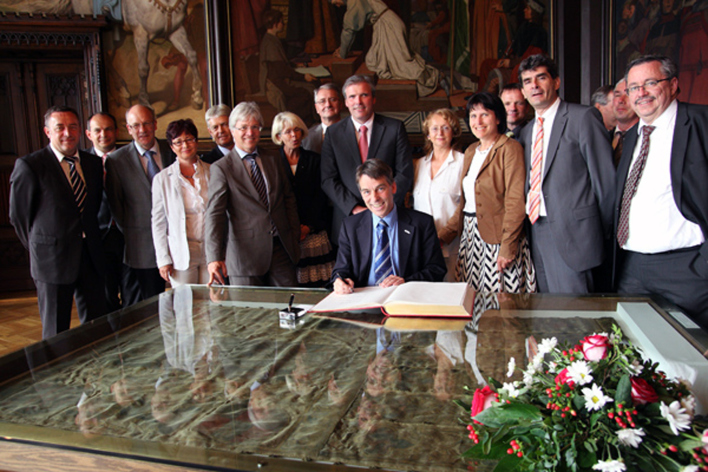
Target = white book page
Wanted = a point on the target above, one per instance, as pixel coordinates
(430, 293)
(364, 297)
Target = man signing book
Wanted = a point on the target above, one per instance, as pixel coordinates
(389, 244)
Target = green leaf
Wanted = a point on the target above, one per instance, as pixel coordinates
(579, 402)
(586, 459)
(623, 394)
(509, 463)
(690, 444)
(509, 414)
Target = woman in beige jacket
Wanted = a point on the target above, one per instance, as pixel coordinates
(494, 254)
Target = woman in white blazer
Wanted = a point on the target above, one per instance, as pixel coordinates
(179, 198)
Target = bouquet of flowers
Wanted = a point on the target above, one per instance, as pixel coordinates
(594, 406)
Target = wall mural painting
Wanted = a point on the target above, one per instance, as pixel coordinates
(674, 28)
(155, 54)
(418, 49)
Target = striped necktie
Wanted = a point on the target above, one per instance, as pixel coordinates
(257, 178)
(535, 182)
(383, 266)
(77, 183)
(630, 186)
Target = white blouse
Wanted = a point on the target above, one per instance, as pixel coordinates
(471, 177)
(439, 196)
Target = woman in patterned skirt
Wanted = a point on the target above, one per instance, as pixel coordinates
(494, 254)
(303, 169)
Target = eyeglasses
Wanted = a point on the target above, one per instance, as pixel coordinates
(291, 131)
(649, 84)
(444, 129)
(179, 143)
(146, 125)
(243, 129)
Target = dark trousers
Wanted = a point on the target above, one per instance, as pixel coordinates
(552, 273)
(55, 300)
(280, 274)
(118, 281)
(679, 276)
(143, 284)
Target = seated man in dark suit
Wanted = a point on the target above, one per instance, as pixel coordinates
(389, 244)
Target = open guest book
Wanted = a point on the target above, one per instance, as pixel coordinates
(440, 299)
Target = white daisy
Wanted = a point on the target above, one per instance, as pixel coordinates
(690, 468)
(580, 372)
(630, 437)
(511, 367)
(676, 416)
(552, 367)
(595, 399)
(547, 345)
(689, 404)
(511, 390)
(529, 378)
(635, 368)
(610, 466)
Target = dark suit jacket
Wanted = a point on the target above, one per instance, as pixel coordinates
(314, 140)
(238, 226)
(47, 220)
(213, 155)
(578, 184)
(104, 212)
(311, 200)
(689, 170)
(420, 256)
(130, 197)
(340, 158)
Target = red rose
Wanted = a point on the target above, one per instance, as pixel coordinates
(642, 392)
(482, 400)
(595, 347)
(562, 378)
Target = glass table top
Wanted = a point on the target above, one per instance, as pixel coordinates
(212, 379)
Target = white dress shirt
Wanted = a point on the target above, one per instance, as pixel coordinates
(439, 196)
(655, 222)
(471, 177)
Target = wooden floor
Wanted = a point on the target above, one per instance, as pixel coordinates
(20, 325)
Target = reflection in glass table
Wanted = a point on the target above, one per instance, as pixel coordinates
(211, 378)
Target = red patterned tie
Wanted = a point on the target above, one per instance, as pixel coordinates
(535, 182)
(363, 144)
(630, 186)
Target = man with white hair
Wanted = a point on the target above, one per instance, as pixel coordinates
(328, 104)
(217, 120)
(251, 224)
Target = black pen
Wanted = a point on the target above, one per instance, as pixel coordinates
(290, 304)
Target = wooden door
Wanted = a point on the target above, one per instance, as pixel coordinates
(30, 84)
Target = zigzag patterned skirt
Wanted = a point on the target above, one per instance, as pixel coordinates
(477, 264)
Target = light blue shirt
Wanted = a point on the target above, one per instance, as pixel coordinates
(392, 221)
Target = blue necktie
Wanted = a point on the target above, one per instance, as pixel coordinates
(382, 260)
(77, 184)
(152, 168)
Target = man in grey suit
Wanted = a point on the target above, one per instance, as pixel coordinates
(217, 120)
(129, 174)
(328, 104)
(54, 198)
(570, 185)
(251, 222)
(350, 142)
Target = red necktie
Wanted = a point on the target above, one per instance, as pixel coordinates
(363, 144)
